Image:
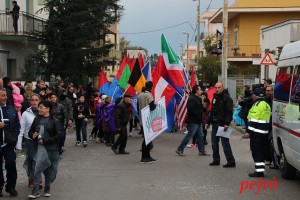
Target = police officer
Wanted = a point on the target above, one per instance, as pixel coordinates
(258, 128)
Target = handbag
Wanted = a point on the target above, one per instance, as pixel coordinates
(10, 136)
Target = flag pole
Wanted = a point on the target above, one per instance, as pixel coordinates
(125, 90)
(112, 98)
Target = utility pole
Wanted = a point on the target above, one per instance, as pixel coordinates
(187, 49)
(225, 43)
(198, 34)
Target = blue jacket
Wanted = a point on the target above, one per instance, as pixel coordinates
(13, 121)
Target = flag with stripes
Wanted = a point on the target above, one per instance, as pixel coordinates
(181, 111)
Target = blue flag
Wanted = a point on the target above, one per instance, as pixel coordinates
(114, 90)
(146, 70)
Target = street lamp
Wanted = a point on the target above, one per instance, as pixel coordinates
(198, 33)
(187, 49)
(181, 50)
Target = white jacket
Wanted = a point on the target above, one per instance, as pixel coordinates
(25, 122)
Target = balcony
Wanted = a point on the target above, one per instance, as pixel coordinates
(29, 26)
(244, 51)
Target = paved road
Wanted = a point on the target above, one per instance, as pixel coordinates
(96, 173)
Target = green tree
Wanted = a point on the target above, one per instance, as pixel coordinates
(73, 35)
(210, 69)
(210, 44)
(124, 43)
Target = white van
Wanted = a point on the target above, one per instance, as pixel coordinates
(285, 111)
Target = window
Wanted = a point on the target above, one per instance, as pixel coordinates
(283, 83)
(41, 2)
(295, 93)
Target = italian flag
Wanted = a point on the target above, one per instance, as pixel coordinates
(174, 66)
(162, 88)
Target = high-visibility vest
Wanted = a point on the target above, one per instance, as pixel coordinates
(259, 117)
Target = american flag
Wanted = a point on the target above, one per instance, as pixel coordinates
(181, 111)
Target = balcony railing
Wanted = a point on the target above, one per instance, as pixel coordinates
(28, 25)
(248, 51)
(114, 54)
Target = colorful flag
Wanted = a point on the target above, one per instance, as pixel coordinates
(181, 111)
(103, 84)
(115, 91)
(161, 67)
(147, 71)
(141, 60)
(134, 105)
(137, 79)
(162, 88)
(210, 93)
(124, 77)
(122, 66)
(193, 81)
(173, 64)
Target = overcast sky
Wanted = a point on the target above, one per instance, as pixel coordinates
(151, 15)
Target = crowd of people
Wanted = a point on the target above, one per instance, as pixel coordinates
(38, 118)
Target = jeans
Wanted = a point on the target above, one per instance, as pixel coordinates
(51, 172)
(192, 130)
(80, 127)
(15, 22)
(215, 146)
(31, 147)
(62, 136)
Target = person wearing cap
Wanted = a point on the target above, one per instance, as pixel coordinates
(121, 117)
(258, 128)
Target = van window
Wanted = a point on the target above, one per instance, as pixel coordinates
(283, 83)
(296, 86)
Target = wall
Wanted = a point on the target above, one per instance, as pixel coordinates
(249, 25)
(265, 3)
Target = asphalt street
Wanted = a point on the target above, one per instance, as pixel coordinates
(95, 172)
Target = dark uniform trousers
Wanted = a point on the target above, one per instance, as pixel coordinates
(259, 146)
(9, 154)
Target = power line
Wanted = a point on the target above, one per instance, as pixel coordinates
(208, 7)
(151, 31)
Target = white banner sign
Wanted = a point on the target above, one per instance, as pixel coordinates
(154, 122)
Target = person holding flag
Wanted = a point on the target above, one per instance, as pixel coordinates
(145, 99)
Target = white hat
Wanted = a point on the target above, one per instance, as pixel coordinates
(104, 96)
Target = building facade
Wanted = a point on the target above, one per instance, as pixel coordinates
(245, 20)
(15, 47)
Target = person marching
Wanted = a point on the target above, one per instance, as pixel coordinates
(45, 131)
(194, 121)
(145, 99)
(81, 112)
(31, 146)
(258, 128)
(121, 120)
